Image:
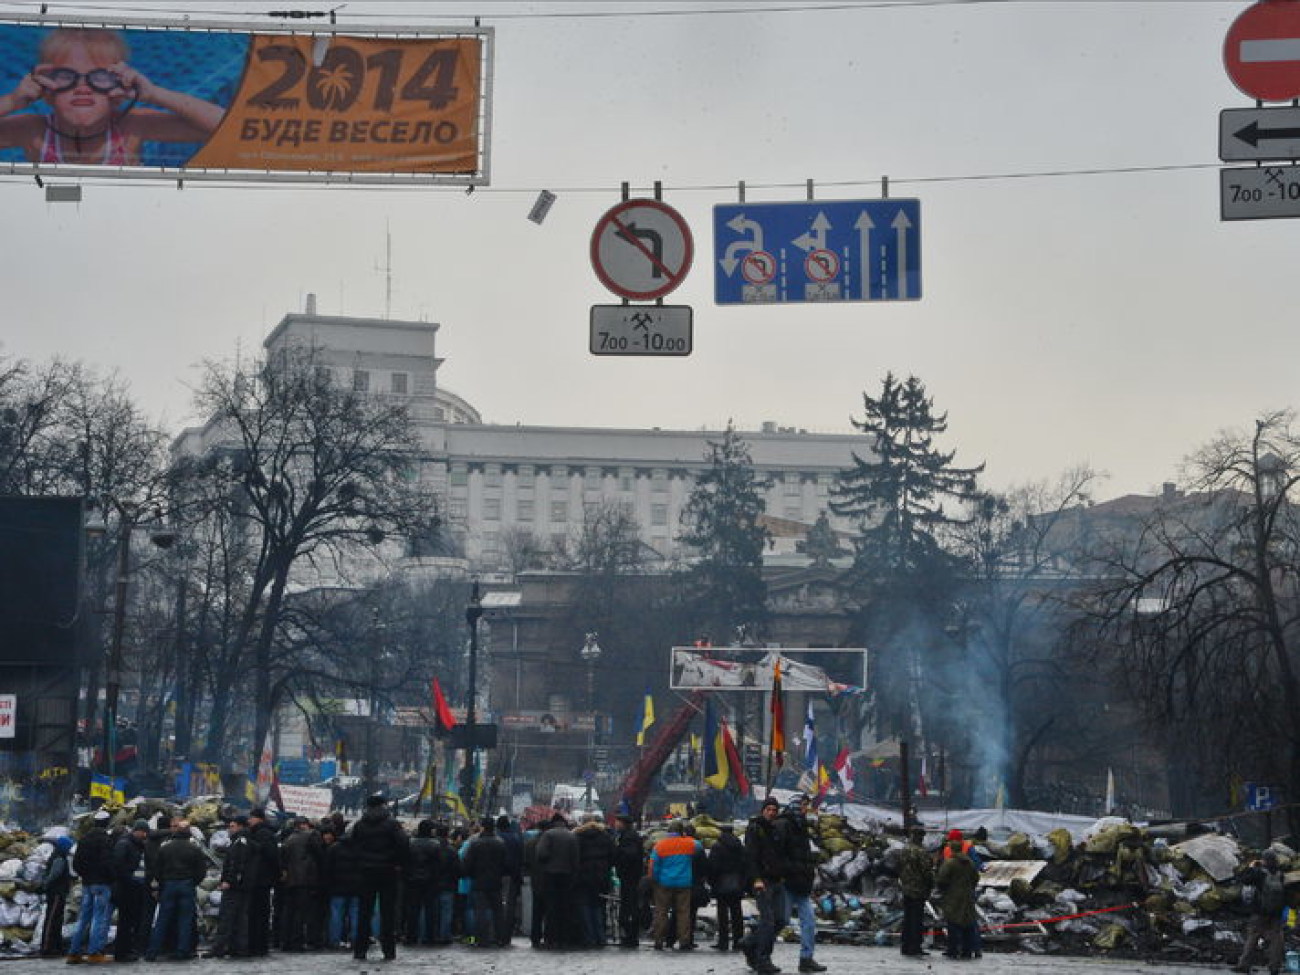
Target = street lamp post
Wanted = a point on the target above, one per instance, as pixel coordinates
(376, 651)
(473, 613)
(590, 654)
(113, 683)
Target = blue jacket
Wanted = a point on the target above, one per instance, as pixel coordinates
(671, 863)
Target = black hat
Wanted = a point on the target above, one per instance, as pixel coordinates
(378, 799)
(140, 825)
(257, 812)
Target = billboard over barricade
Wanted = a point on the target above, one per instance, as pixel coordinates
(207, 101)
(695, 669)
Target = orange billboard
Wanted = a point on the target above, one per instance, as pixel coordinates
(198, 102)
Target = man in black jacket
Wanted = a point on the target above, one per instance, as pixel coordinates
(419, 898)
(767, 866)
(130, 893)
(264, 873)
(57, 884)
(595, 858)
(236, 875)
(629, 866)
(801, 872)
(93, 861)
(485, 866)
(382, 848)
(728, 871)
(182, 865)
(301, 856)
(514, 879)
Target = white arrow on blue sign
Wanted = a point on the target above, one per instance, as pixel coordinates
(817, 250)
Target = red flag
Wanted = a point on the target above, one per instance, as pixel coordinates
(733, 760)
(446, 720)
(776, 746)
(844, 770)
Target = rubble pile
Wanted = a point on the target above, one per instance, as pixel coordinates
(24, 857)
(1123, 891)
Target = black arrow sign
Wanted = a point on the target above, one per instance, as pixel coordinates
(631, 231)
(1253, 135)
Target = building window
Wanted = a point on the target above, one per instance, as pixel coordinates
(491, 545)
(792, 484)
(360, 381)
(456, 510)
(526, 476)
(492, 475)
(559, 511)
(591, 480)
(658, 480)
(399, 383)
(659, 514)
(492, 509)
(525, 510)
(459, 477)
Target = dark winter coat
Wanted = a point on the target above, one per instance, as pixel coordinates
(381, 843)
(421, 861)
(956, 883)
(235, 866)
(801, 864)
(300, 858)
(93, 857)
(485, 862)
(128, 860)
(58, 875)
(342, 868)
(557, 851)
(596, 852)
(182, 859)
(765, 850)
(446, 867)
(728, 866)
(264, 865)
(629, 855)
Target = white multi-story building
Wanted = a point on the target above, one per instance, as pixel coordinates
(494, 479)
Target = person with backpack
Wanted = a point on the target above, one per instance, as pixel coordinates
(1264, 889)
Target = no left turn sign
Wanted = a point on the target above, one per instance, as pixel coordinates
(641, 249)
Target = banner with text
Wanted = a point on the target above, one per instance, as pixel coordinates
(224, 104)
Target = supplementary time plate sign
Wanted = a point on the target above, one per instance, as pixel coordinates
(641, 249)
(641, 330)
(1259, 192)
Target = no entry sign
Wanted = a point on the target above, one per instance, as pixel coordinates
(1262, 50)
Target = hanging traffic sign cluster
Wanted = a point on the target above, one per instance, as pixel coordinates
(1261, 54)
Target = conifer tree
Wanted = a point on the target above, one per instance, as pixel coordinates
(721, 522)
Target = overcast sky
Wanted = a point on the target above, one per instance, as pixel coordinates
(1102, 316)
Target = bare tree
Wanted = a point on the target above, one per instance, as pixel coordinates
(307, 475)
(1200, 610)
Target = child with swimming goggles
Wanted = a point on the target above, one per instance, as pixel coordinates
(92, 92)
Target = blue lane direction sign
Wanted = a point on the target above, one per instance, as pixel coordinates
(641, 330)
(817, 250)
(1259, 133)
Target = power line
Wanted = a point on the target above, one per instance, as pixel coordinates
(613, 184)
(585, 13)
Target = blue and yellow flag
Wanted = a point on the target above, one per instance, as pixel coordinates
(108, 789)
(647, 719)
(717, 770)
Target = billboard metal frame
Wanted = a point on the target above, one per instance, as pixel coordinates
(181, 175)
(752, 661)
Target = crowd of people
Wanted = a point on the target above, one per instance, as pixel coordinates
(333, 885)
